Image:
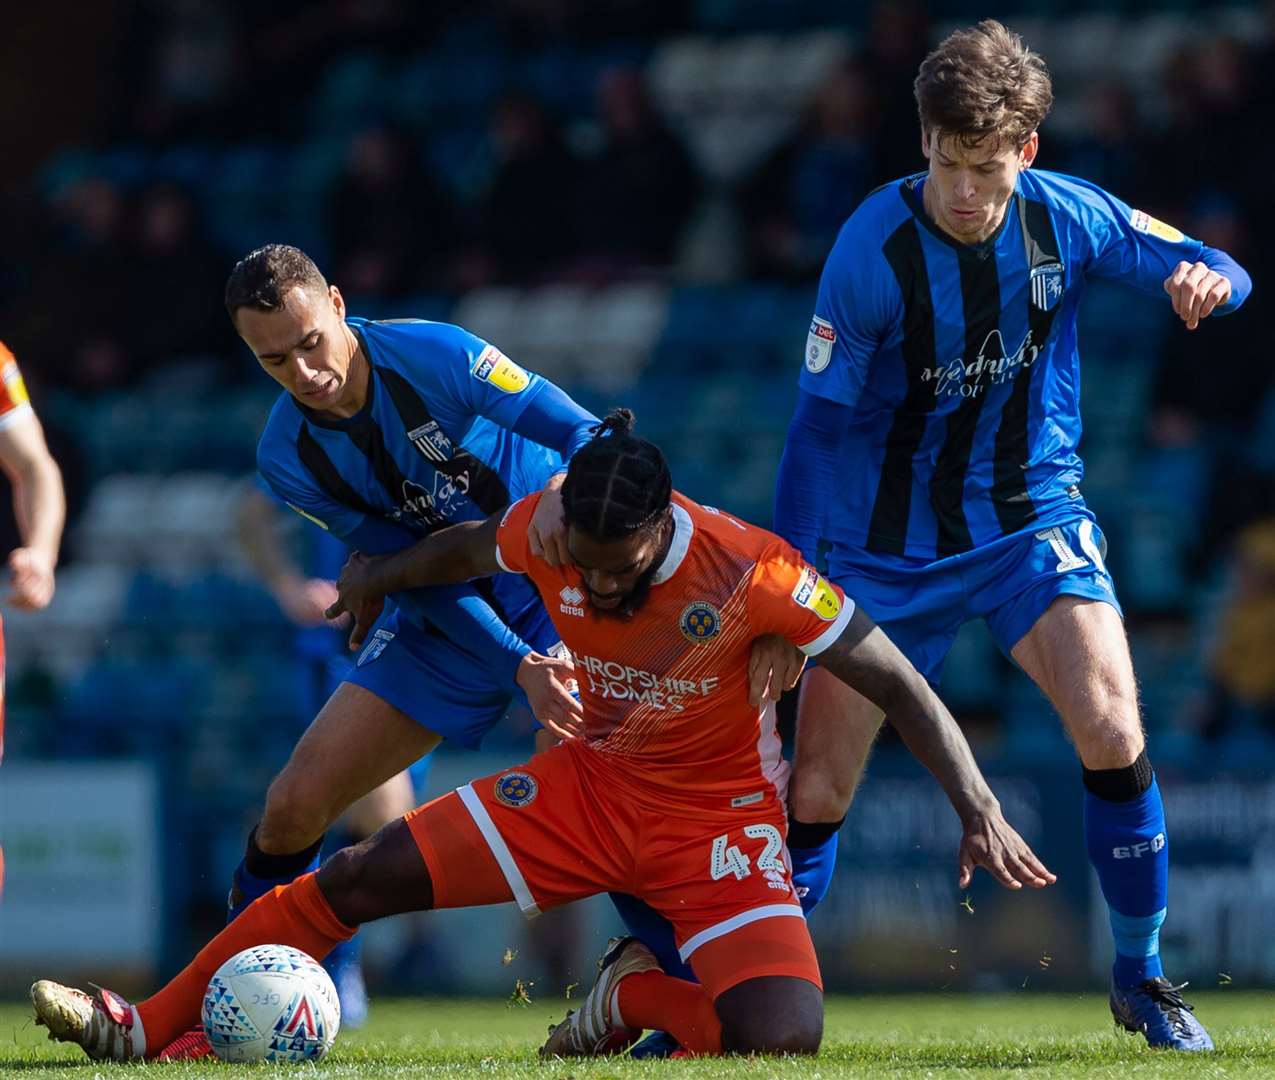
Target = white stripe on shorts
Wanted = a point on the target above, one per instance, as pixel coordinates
(504, 857)
(769, 911)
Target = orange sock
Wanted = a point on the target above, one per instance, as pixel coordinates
(295, 914)
(652, 999)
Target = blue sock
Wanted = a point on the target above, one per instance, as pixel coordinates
(655, 932)
(258, 873)
(1128, 846)
(813, 849)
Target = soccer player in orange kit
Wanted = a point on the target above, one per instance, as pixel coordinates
(675, 792)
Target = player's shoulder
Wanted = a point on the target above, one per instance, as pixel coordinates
(722, 532)
(280, 433)
(862, 238)
(413, 345)
(1069, 196)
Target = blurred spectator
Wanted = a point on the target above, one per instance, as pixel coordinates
(75, 317)
(797, 201)
(637, 192)
(524, 217)
(176, 269)
(390, 226)
(1209, 391)
(1243, 662)
(1108, 153)
(897, 41)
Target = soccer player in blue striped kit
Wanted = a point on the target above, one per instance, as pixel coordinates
(932, 455)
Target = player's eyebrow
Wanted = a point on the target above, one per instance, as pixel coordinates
(280, 355)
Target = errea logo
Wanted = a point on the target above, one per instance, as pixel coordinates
(572, 601)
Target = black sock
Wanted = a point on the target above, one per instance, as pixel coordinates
(263, 865)
(809, 834)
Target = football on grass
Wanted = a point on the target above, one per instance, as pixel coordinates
(271, 1003)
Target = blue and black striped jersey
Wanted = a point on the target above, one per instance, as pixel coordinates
(958, 364)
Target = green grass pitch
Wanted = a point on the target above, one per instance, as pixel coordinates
(940, 1035)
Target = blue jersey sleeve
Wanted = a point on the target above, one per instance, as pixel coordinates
(857, 307)
(808, 472)
(554, 420)
(1130, 245)
(483, 381)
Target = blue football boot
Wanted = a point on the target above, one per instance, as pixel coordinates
(1156, 1009)
(345, 965)
(658, 1044)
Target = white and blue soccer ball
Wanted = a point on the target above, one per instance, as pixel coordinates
(271, 1003)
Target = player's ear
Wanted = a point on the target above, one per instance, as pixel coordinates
(1028, 153)
(338, 301)
(925, 144)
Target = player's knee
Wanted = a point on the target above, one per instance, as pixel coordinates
(820, 795)
(1113, 743)
(382, 875)
(771, 1015)
(294, 817)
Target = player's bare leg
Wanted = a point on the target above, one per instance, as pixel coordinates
(1077, 653)
(356, 743)
(836, 728)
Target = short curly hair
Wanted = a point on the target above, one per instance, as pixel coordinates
(983, 83)
(262, 278)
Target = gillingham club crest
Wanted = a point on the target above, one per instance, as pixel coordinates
(700, 621)
(517, 789)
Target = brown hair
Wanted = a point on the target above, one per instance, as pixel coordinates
(262, 278)
(983, 83)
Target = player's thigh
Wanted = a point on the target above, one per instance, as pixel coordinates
(1077, 653)
(551, 834)
(836, 727)
(381, 805)
(356, 743)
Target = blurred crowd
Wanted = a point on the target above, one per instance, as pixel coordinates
(108, 278)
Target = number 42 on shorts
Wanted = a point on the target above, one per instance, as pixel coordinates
(726, 858)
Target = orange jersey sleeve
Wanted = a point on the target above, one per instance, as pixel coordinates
(13, 390)
(789, 597)
(512, 550)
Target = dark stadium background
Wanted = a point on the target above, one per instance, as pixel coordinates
(634, 198)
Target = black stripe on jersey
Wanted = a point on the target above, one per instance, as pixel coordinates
(981, 304)
(1014, 508)
(316, 459)
(484, 486)
(888, 527)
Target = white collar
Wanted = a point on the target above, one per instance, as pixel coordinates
(683, 528)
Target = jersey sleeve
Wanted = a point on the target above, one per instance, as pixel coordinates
(858, 302)
(1126, 244)
(483, 381)
(14, 402)
(789, 597)
(513, 551)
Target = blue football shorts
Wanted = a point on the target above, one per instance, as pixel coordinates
(439, 685)
(1010, 582)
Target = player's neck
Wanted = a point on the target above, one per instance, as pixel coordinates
(359, 370)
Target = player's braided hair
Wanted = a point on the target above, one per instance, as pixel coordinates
(262, 278)
(618, 483)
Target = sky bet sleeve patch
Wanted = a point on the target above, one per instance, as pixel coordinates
(1145, 223)
(493, 366)
(815, 593)
(819, 343)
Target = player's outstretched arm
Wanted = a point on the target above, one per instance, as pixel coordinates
(865, 659)
(39, 504)
(455, 554)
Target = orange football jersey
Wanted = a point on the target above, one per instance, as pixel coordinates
(665, 691)
(13, 391)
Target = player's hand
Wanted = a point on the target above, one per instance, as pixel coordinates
(547, 533)
(1195, 291)
(991, 842)
(30, 579)
(305, 600)
(774, 665)
(550, 685)
(358, 594)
